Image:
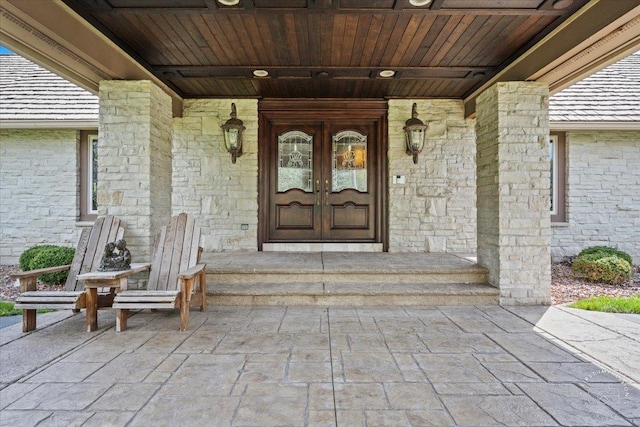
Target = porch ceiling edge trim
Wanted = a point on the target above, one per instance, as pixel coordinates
(49, 124)
(620, 43)
(598, 20)
(56, 37)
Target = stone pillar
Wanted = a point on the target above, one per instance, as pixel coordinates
(134, 158)
(512, 160)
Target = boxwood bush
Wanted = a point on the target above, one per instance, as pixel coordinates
(44, 256)
(29, 254)
(603, 264)
(604, 251)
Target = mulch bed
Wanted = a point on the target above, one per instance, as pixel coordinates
(565, 286)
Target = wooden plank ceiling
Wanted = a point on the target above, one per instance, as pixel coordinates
(325, 48)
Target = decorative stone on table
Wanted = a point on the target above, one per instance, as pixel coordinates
(116, 257)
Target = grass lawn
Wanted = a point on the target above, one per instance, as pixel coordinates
(6, 309)
(610, 304)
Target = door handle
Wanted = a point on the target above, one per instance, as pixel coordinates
(318, 192)
(326, 192)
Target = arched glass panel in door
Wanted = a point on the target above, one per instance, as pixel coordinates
(349, 161)
(295, 161)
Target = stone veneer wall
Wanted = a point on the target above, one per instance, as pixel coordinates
(513, 178)
(39, 190)
(434, 211)
(221, 195)
(134, 159)
(603, 193)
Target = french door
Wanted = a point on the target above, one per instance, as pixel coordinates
(323, 186)
(322, 180)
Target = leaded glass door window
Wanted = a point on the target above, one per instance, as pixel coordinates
(349, 161)
(295, 161)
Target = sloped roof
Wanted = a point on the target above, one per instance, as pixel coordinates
(31, 93)
(610, 95)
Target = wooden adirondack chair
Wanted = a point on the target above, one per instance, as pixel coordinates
(87, 258)
(173, 274)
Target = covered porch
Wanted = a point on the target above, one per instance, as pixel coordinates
(479, 72)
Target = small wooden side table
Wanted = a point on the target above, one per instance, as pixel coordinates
(114, 280)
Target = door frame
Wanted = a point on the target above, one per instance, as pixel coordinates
(305, 110)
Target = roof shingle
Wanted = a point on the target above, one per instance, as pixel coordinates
(30, 92)
(612, 95)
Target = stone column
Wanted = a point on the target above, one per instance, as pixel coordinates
(514, 234)
(134, 158)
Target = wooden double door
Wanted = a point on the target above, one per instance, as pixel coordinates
(323, 178)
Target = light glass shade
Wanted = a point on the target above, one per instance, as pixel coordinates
(416, 139)
(231, 137)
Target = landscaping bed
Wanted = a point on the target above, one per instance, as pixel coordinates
(567, 287)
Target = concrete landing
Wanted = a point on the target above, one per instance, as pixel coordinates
(327, 366)
(340, 278)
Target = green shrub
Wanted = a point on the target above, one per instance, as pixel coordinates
(29, 254)
(48, 256)
(605, 251)
(608, 269)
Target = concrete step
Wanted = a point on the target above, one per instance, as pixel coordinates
(346, 279)
(356, 278)
(354, 294)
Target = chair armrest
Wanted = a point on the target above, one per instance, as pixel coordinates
(192, 272)
(39, 272)
(27, 279)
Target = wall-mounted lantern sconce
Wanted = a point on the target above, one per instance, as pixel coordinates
(233, 129)
(415, 132)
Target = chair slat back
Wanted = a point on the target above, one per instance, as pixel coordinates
(91, 248)
(176, 250)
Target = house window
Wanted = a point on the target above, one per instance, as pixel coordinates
(557, 169)
(88, 175)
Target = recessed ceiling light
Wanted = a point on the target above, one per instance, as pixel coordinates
(260, 73)
(229, 2)
(419, 3)
(562, 4)
(387, 73)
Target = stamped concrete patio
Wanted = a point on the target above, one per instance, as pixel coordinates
(319, 366)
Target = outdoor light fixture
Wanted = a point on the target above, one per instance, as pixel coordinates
(229, 2)
(233, 129)
(415, 132)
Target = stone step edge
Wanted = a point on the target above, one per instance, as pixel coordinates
(353, 300)
(266, 279)
(475, 269)
(345, 289)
